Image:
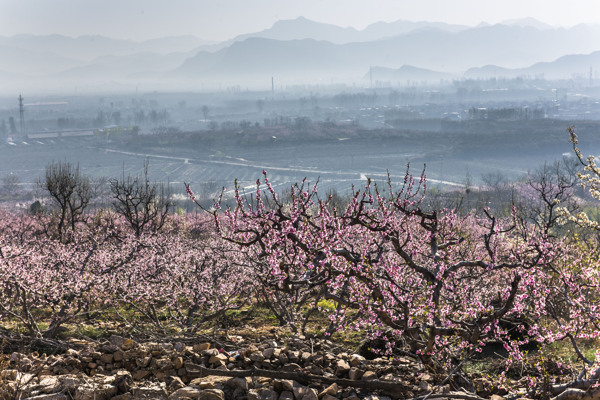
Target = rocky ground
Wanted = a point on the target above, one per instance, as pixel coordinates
(271, 369)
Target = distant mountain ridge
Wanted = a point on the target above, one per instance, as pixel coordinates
(301, 50)
(302, 28)
(565, 67)
(448, 52)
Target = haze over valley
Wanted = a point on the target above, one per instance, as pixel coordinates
(302, 98)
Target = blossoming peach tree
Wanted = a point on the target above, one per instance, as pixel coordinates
(436, 284)
(105, 271)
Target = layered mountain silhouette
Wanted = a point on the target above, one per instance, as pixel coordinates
(566, 67)
(306, 51)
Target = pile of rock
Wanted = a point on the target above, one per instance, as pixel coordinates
(121, 368)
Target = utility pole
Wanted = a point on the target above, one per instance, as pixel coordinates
(22, 114)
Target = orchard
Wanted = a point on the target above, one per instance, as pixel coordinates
(442, 287)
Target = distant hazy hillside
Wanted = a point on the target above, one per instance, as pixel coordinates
(302, 28)
(297, 51)
(257, 57)
(24, 61)
(566, 67)
(433, 49)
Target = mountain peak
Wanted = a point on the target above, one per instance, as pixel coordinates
(527, 22)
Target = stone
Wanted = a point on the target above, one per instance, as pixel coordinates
(118, 356)
(293, 356)
(330, 390)
(140, 374)
(69, 382)
(105, 379)
(311, 394)
(152, 392)
(285, 395)
(329, 397)
(369, 376)
(277, 385)
(174, 383)
(178, 362)
(356, 360)
(211, 394)
(355, 373)
(166, 347)
(251, 349)
(109, 348)
(237, 384)
(257, 356)
(179, 347)
(123, 381)
(9, 374)
(283, 358)
(95, 392)
(342, 368)
(201, 347)
(116, 340)
(164, 364)
(235, 388)
(218, 359)
(315, 370)
(291, 367)
(424, 386)
(128, 344)
(262, 394)
(71, 353)
(299, 390)
(202, 383)
(49, 384)
(268, 352)
(143, 362)
(53, 396)
(187, 392)
(287, 385)
(209, 352)
(106, 358)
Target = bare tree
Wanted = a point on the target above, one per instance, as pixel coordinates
(71, 192)
(10, 183)
(551, 186)
(144, 205)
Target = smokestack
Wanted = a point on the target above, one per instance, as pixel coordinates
(22, 114)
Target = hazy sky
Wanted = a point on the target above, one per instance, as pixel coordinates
(224, 19)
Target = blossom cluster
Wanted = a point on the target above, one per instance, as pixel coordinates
(442, 284)
(106, 269)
